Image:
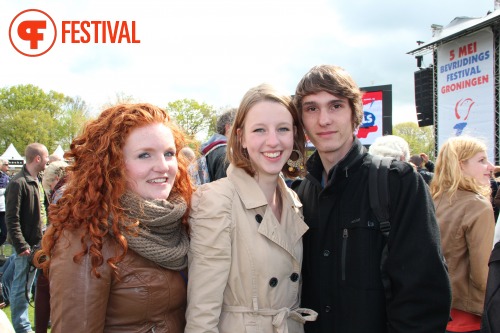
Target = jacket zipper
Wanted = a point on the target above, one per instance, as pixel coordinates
(345, 235)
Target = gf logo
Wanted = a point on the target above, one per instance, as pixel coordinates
(32, 32)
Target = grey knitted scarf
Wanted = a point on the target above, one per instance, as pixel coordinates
(160, 236)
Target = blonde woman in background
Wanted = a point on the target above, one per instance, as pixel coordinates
(461, 191)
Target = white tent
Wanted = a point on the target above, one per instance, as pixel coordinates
(11, 154)
(59, 152)
(14, 158)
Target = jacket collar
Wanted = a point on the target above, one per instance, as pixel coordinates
(249, 191)
(354, 156)
(27, 175)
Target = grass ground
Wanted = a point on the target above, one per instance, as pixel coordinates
(7, 251)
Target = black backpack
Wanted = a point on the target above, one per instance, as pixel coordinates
(378, 191)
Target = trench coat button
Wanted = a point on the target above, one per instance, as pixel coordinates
(273, 282)
(294, 277)
(258, 218)
(328, 308)
(326, 253)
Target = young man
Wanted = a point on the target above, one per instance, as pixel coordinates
(342, 274)
(25, 206)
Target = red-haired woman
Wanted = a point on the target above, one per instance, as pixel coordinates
(117, 245)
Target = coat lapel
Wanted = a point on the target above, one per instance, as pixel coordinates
(285, 235)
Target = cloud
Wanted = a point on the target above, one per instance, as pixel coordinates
(214, 51)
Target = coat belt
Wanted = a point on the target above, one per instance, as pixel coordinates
(279, 316)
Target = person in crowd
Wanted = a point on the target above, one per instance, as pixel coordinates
(490, 321)
(6, 277)
(495, 194)
(391, 146)
(116, 249)
(348, 277)
(425, 167)
(215, 147)
(54, 158)
(5, 325)
(189, 154)
(245, 253)
(25, 206)
(4, 181)
(461, 190)
(53, 182)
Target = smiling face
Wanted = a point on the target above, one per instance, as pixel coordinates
(267, 135)
(150, 161)
(328, 123)
(478, 167)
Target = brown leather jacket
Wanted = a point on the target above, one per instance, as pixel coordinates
(467, 226)
(142, 298)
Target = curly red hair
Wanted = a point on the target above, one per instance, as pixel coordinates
(97, 181)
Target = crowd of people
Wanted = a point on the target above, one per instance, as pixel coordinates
(130, 241)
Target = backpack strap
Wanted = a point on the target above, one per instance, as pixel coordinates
(379, 191)
(378, 188)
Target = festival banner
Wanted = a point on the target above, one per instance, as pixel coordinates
(466, 89)
(371, 127)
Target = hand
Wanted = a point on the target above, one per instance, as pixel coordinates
(25, 253)
(424, 157)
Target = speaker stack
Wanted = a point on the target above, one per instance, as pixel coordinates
(424, 96)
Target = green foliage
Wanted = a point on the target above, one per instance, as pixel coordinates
(76, 114)
(28, 114)
(192, 116)
(420, 139)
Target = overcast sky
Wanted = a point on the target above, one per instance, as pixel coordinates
(214, 51)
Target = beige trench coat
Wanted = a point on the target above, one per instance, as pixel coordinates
(244, 266)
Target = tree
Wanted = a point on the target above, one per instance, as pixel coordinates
(192, 116)
(28, 114)
(76, 114)
(420, 139)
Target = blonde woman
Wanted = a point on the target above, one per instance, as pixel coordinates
(461, 191)
(245, 255)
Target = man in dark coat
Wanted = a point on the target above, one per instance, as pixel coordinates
(342, 274)
(24, 202)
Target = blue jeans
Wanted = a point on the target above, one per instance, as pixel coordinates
(7, 277)
(18, 302)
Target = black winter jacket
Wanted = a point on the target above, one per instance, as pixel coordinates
(491, 314)
(217, 163)
(342, 251)
(22, 211)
